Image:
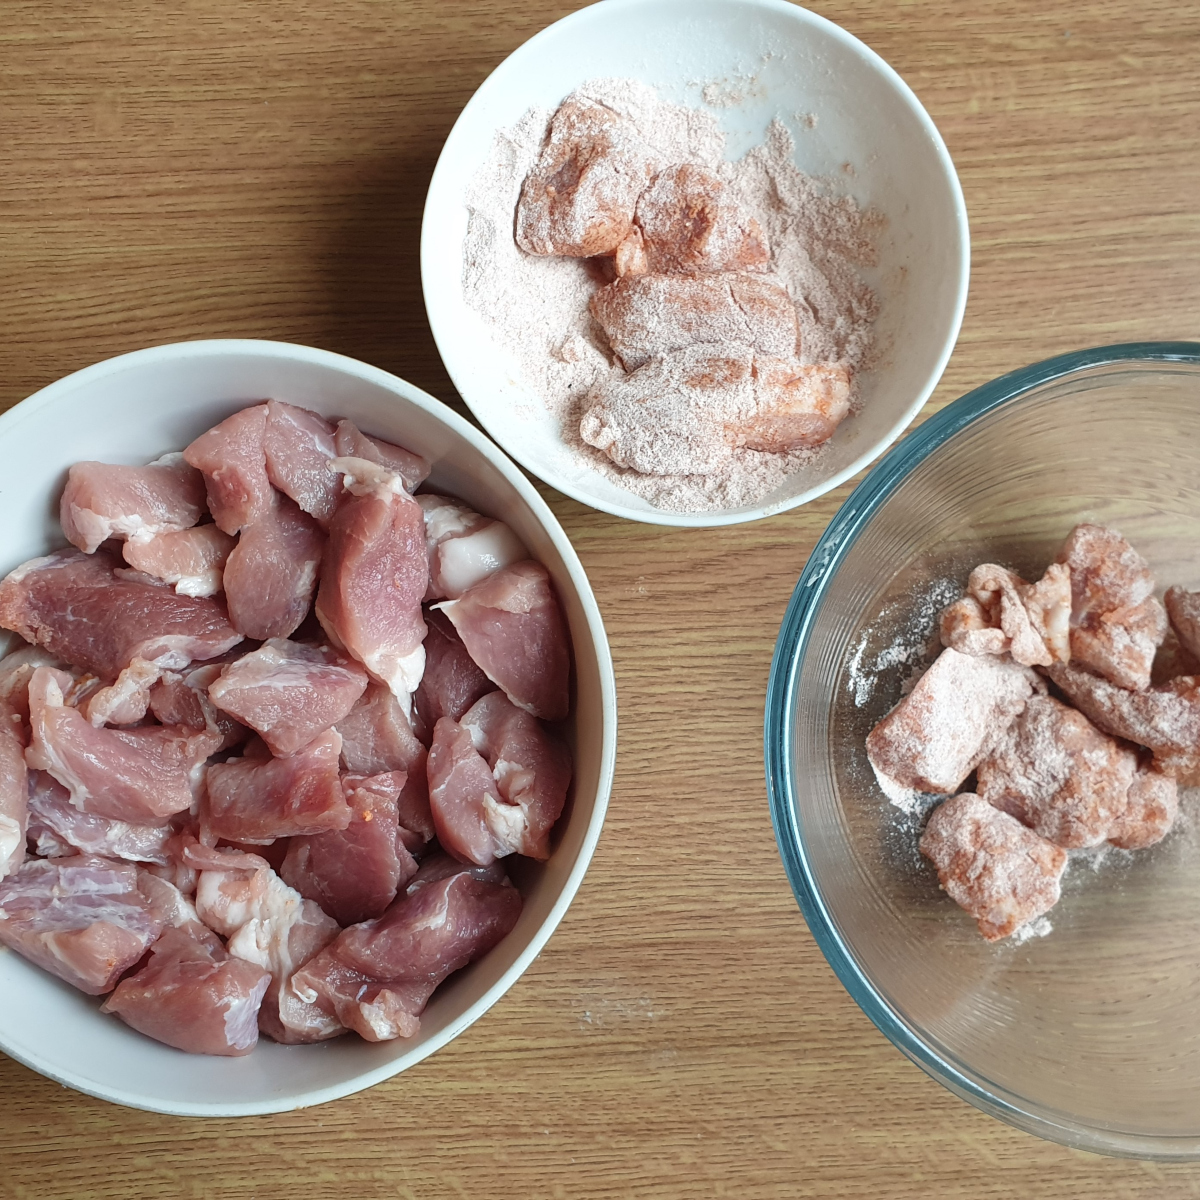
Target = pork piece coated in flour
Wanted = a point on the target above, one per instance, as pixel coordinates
(377, 737)
(580, 197)
(353, 874)
(81, 918)
(351, 442)
(103, 501)
(377, 977)
(1183, 608)
(267, 923)
(513, 627)
(193, 996)
(1059, 775)
(258, 799)
(193, 560)
(77, 608)
(1003, 874)
(1117, 624)
(271, 573)
(683, 412)
(684, 224)
(464, 546)
(233, 460)
(374, 576)
(933, 739)
(289, 692)
(1165, 718)
(144, 774)
(645, 316)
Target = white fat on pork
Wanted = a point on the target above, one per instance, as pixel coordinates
(270, 924)
(463, 546)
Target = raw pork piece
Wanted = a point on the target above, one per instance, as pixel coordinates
(682, 412)
(270, 924)
(272, 572)
(513, 628)
(377, 737)
(103, 501)
(57, 828)
(933, 739)
(1003, 874)
(251, 799)
(81, 918)
(452, 682)
(532, 770)
(1153, 805)
(377, 977)
(192, 559)
(181, 698)
(464, 547)
(234, 462)
(374, 577)
(462, 792)
(1164, 719)
(299, 446)
(1001, 613)
(171, 907)
(351, 442)
(1117, 624)
(580, 197)
(140, 775)
(194, 997)
(14, 791)
(126, 701)
(16, 670)
(1183, 608)
(645, 316)
(1059, 775)
(289, 692)
(354, 874)
(74, 606)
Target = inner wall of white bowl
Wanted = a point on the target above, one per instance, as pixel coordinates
(136, 409)
(1097, 1023)
(852, 121)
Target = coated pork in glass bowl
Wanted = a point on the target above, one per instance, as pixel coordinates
(1085, 1029)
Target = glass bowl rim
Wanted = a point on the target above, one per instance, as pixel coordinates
(791, 649)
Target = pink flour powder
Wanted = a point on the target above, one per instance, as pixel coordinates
(538, 305)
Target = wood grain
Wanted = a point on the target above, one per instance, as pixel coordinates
(222, 169)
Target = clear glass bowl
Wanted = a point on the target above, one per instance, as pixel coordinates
(1090, 1035)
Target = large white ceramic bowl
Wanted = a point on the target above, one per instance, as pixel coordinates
(130, 410)
(793, 65)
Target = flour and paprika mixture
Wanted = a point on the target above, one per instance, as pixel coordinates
(696, 325)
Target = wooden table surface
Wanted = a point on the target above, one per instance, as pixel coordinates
(218, 168)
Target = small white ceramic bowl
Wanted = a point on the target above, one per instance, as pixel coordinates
(130, 410)
(792, 65)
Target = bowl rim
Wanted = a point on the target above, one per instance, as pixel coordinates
(778, 746)
(295, 352)
(429, 268)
